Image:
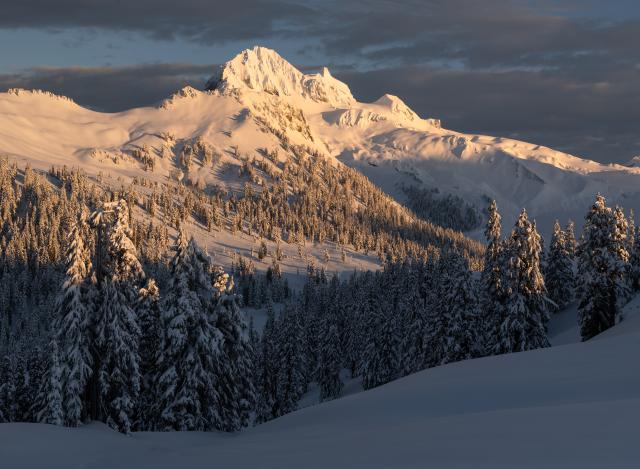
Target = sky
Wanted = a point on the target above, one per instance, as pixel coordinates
(561, 73)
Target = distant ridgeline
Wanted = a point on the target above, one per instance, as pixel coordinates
(100, 320)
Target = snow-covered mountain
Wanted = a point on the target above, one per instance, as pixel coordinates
(257, 101)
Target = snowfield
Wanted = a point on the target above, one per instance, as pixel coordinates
(574, 405)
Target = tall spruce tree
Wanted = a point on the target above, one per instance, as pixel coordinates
(291, 378)
(570, 239)
(622, 243)
(524, 326)
(117, 330)
(151, 334)
(415, 346)
(492, 289)
(634, 261)
(559, 278)
(191, 346)
(8, 408)
(48, 405)
(74, 332)
(458, 311)
(235, 385)
(267, 384)
(380, 362)
(329, 357)
(602, 256)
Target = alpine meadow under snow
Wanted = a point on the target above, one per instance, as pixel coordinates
(268, 273)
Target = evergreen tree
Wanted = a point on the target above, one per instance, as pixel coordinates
(49, 405)
(622, 243)
(634, 261)
(492, 294)
(37, 366)
(380, 361)
(117, 330)
(189, 360)
(150, 321)
(291, 361)
(8, 407)
(235, 384)
(73, 327)
(415, 345)
(23, 400)
(526, 316)
(267, 384)
(119, 373)
(254, 347)
(570, 239)
(458, 312)
(329, 357)
(559, 269)
(601, 263)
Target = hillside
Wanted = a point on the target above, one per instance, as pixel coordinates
(526, 410)
(257, 100)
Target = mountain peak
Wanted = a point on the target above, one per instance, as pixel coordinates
(396, 106)
(634, 162)
(21, 92)
(264, 70)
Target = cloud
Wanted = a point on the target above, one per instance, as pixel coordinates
(112, 89)
(195, 20)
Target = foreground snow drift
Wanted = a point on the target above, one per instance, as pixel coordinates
(573, 405)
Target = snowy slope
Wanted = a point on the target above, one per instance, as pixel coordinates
(575, 405)
(257, 95)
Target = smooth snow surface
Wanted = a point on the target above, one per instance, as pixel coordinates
(570, 406)
(385, 140)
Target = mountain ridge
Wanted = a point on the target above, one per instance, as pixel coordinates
(258, 100)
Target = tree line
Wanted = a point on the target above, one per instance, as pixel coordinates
(111, 330)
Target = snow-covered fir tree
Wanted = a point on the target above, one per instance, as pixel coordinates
(48, 405)
(117, 330)
(622, 243)
(524, 326)
(559, 278)
(253, 339)
(380, 361)
(291, 379)
(188, 363)
(570, 239)
(602, 258)
(151, 335)
(329, 357)
(8, 402)
(492, 289)
(415, 345)
(267, 383)
(634, 261)
(236, 391)
(458, 338)
(73, 315)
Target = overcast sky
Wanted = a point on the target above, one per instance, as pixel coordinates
(563, 73)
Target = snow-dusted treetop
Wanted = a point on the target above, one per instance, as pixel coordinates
(262, 69)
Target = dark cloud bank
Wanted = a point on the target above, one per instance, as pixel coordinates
(546, 71)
